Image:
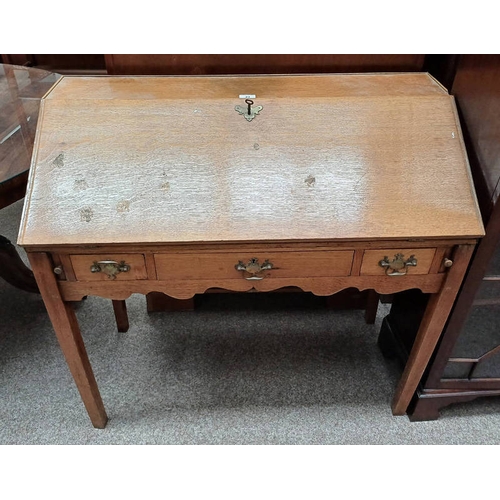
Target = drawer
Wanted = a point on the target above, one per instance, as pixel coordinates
(119, 267)
(222, 265)
(395, 260)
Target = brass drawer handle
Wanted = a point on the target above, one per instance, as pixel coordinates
(253, 267)
(109, 267)
(398, 266)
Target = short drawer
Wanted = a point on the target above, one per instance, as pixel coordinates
(119, 267)
(224, 265)
(397, 261)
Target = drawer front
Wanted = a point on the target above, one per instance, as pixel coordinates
(223, 265)
(119, 267)
(397, 261)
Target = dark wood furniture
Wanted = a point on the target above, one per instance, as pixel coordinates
(466, 364)
(193, 64)
(441, 66)
(218, 64)
(60, 63)
(21, 89)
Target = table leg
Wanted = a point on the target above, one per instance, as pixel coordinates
(70, 339)
(431, 327)
(12, 268)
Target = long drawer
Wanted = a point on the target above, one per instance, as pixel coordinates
(235, 265)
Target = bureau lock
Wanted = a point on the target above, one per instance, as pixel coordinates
(250, 112)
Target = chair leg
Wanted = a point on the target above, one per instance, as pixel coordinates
(371, 306)
(120, 309)
(13, 270)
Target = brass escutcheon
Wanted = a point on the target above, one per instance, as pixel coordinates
(250, 112)
(109, 267)
(253, 267)
(398, 266)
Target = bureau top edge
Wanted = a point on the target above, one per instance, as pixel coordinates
(225, 245)
(232, 86)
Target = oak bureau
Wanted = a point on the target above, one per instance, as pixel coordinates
(179, 185)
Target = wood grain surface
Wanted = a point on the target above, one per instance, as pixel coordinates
(330, 157)
(263, 86)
